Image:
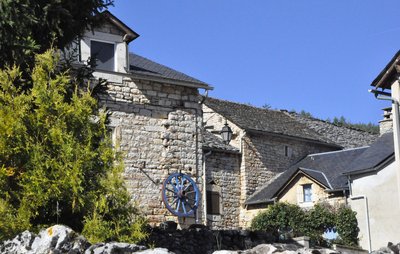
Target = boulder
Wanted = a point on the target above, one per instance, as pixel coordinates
(20, 244)
(113, 248)
(156, 251)
(55, 239)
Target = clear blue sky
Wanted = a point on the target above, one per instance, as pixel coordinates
(316, 55)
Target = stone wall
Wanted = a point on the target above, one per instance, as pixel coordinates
(265, 156)
(223, 171)
(294, 193)
(157, 127)
(203, 241)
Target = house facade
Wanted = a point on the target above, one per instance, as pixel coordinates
(375, 176)
(155, 117)
(373, 194)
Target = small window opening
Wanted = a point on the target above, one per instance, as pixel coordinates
(307, 193)
(102, 54)
(213, 202)
(288, 151)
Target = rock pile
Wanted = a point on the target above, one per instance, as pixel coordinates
(61, 239)
(391, 248)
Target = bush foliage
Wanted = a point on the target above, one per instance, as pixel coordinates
(284, 217)
(57, 164)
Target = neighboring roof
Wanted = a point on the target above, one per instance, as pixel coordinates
(341, 135)
(212, 142)
(146, 68)
(256, 119)
(388, 74)
(325, 168)
(378, 152)
(130, 35)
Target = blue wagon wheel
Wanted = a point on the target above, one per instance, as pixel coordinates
(180, 195)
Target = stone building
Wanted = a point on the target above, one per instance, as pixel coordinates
(155, 116)
(269, 142)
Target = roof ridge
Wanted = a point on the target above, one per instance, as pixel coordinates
(317, 171)
(325, 121)
(244, 104)
(338, 151)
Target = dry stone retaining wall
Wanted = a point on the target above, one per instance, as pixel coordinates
(204, 241)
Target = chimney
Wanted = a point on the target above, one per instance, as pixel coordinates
(386, 124)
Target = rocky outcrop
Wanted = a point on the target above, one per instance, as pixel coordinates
(61, 239)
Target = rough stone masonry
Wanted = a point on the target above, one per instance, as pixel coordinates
(157, 127)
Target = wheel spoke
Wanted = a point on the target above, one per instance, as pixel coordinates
(187, 187)
(183, 206)
(178, 205)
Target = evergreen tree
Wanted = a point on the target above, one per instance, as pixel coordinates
(33, 26)
(57, 164)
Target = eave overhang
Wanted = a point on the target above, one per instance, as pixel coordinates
(389, 74)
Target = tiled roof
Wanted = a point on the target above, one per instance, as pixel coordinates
(378, 152)
(258, 119)
(341, 135)
(326, 168)
(212, 142)
(145, 67)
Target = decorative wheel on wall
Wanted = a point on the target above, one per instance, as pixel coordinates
(180, 195)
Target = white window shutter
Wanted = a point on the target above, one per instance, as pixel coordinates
(299, 194)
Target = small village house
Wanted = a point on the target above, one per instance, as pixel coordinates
(375, 175)
(155, 116)
(270, 142)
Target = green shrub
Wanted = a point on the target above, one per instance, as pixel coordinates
(318, 220)
(280, 217)
(347, 226)
(284, 217)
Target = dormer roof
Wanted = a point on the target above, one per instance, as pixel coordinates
(128, 34)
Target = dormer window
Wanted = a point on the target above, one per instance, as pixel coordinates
(104, 55)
